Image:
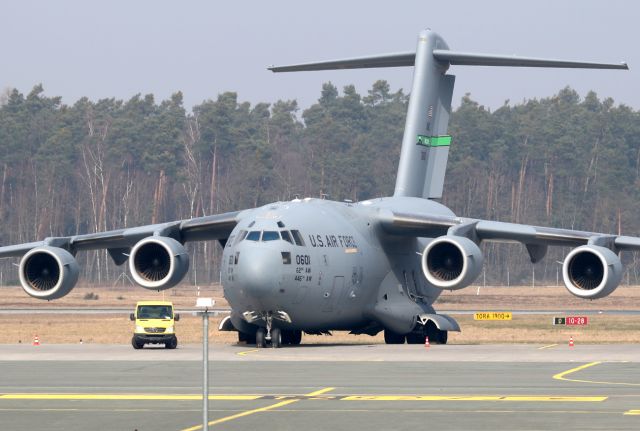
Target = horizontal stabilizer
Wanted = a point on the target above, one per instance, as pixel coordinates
(444, 56)
(470, 59)
(383, 60)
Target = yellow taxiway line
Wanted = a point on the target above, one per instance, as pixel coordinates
(318, 395)
(261, 409)
(547, 346)
(246, 352)
(528, 398)
(562, 376)
(127, 397)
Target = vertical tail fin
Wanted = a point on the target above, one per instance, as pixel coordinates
(425, 144)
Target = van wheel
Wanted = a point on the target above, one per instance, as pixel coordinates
(171, 344)
(136, 344)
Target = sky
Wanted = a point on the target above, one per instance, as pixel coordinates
(119, 48)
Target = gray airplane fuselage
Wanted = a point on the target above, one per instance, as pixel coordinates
(340, 276)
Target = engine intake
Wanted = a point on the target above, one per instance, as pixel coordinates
(591, 271)
(48, 272)
(451, 262)
(158, 262)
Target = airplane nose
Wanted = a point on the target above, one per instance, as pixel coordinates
(259, 271)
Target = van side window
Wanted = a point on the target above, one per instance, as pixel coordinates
(297, 237)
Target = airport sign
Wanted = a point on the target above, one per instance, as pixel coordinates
(493, 315)
(571, 320)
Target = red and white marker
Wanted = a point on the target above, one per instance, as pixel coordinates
(36, 342)
(570, 341)
(426, 342)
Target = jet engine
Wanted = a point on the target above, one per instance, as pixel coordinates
(451, 262)
(158, 262)
(591, 271)
(48, 272)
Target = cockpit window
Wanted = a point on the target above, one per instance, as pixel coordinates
(270, 235)
(286, 236)
(297, 237)
(254, 235)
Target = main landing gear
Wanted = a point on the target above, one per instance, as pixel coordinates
(418, 336)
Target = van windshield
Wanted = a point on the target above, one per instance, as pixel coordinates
(155, 312)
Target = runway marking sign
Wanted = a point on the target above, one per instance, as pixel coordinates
(493, 315)
(571, 320)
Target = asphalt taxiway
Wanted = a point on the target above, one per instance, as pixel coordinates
(322, 387)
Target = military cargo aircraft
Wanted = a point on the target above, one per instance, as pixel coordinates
(315, 265)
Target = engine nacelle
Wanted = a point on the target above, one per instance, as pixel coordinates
(158, 262)
(48, 272)
(451, 262)
(591, 271)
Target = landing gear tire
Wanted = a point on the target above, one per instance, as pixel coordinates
(136, 344)
(286, 337)
(261, 338)
(291, 337)
(415, 338)
(243, 337)
(436, 336)
(442, 337)
(295, 337)
(391, 337)
(276, 338)
(172, 344)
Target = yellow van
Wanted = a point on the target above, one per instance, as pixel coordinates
(155, 324)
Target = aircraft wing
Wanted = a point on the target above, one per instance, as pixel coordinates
(535, 238)
(120, 241)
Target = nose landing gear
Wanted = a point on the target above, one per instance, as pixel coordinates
(264, 336)
(270, 333)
